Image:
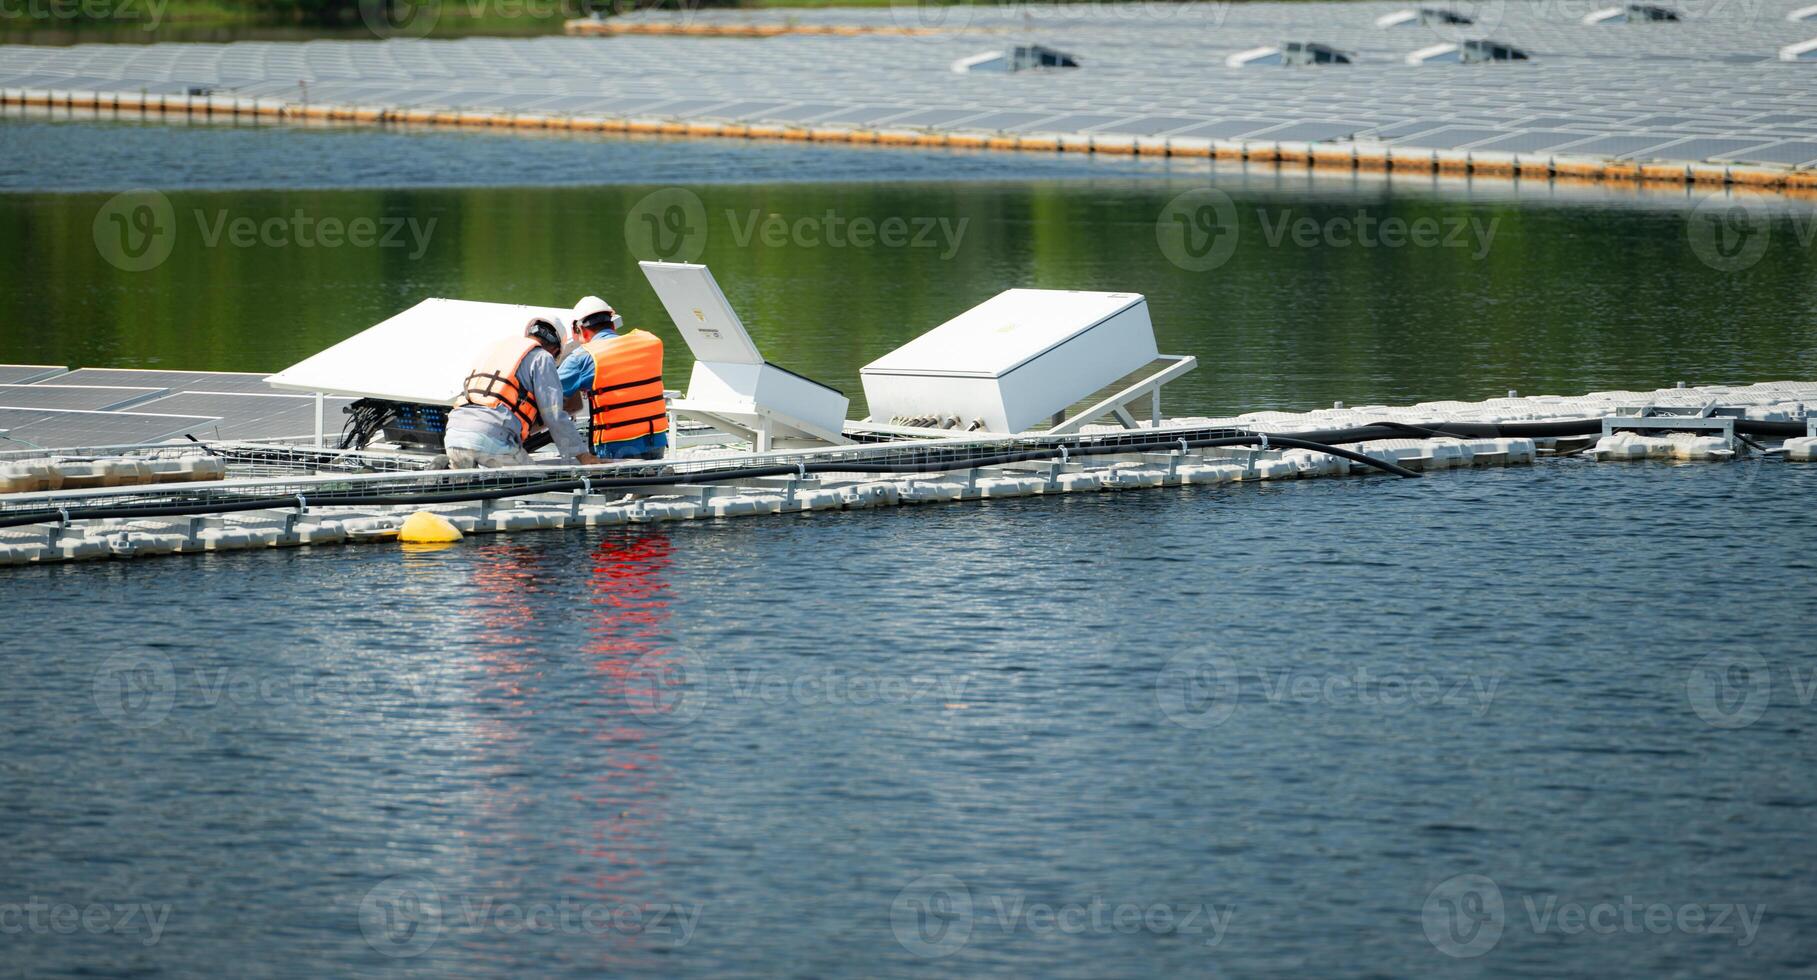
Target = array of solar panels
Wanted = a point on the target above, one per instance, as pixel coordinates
(1706, 88)
(52, 408)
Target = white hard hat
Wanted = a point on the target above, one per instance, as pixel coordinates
(593, 306)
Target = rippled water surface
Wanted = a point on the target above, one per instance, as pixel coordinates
(1281, 714)
(1539, 721)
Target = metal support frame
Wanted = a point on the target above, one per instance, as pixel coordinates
(1723, 426)
(762, 428)
(1120, 405)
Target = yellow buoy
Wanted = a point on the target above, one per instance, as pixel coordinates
(424, 527)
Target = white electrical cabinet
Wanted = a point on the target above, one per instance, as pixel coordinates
(733, 388)
(1014, 360)
(420, 356)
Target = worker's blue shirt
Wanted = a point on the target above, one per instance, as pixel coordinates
(577, 376)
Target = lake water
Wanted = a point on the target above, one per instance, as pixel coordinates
(1521, 722)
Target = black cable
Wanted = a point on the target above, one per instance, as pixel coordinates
(1567, 453)
(365, 419)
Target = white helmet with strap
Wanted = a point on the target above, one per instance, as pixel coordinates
(545, 332)
(596, 314)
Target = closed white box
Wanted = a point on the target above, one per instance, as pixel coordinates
(1015, 359)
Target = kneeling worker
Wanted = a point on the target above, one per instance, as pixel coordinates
(511, 393)
(620, 374)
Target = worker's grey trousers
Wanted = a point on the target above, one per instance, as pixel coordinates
(469, 450)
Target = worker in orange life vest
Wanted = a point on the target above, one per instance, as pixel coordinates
(618, 373)
(511, 393)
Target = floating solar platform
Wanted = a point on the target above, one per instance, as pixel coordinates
(49, 407)
(1707, 91)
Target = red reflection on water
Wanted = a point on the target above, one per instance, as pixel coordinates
(628, 595)
(506, 582)
(629, 590)
(531, 616)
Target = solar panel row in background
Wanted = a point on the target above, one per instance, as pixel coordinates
(51, 408)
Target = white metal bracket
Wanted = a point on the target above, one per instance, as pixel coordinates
(1120, 404)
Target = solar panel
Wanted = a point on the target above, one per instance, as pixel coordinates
(1585, 121)
(866, 114)
(1531, 141)
(1707, 149)
(1006, 120)
(935, 117)
(595, 103)
(1451, 137)
(150, 378)
(1797, 154)
(804, 112)
(14, 374)
(1686, 90)
(50, 429)
(63, 396)
(1156, 125)
(252, 416)
(1309, 132)
(1412, 128)
(677, 107)
(1618, 146)
(1229, 128)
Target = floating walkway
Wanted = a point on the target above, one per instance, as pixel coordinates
(1703, 101)
(185, 497)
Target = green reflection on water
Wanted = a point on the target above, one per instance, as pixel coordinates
(1561, 298)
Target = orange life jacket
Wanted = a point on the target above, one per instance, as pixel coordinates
(626, 397)
(494, 382)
